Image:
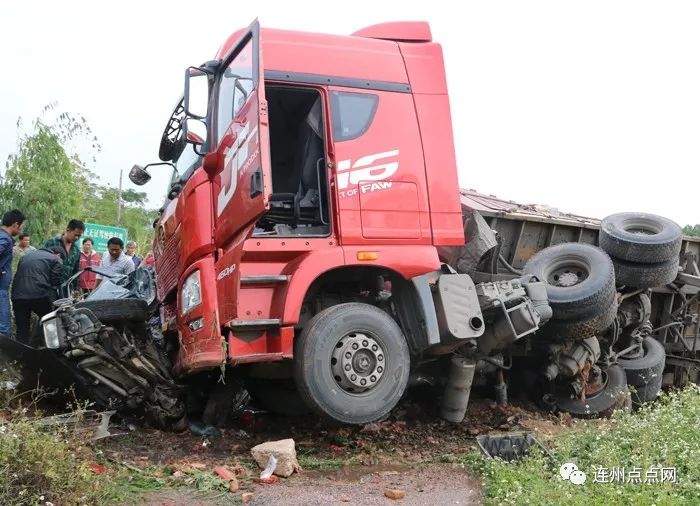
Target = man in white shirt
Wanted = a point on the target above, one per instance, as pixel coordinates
(116, 261)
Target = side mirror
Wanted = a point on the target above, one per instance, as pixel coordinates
(196, 92)
(195, 131)
(139, 176)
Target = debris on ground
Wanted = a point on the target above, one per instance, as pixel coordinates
(246, 497)
(202, 429)
(269, 469)
(285, 453)
(224, 473)
(394, 494)
(81, 422)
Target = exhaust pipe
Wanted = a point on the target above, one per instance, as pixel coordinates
(459, 384)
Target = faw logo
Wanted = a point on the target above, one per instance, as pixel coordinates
(236, 159)
(369, 172)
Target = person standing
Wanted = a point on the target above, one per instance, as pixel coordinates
(68, 242)
(24, 245)
(34, 290)
(131, 252)
(12, 222)
(115, 261)
(149, 260)
(88, 258)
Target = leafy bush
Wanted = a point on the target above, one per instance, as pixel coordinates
(42, 467)
(664, 434)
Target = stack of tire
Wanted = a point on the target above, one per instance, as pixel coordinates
(645, 251)
(580, 281)
(644, 248)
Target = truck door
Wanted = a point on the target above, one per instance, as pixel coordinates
(241, 183)
(241, 129)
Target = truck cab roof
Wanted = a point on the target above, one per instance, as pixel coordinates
(401, 54)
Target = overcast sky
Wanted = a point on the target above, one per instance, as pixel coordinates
(591, 107)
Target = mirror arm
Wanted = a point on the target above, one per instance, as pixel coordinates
(197, 149)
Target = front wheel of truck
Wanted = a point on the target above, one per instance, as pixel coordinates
(351, 363)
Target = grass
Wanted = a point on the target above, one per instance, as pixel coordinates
(665, 434)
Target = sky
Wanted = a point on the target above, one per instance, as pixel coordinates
(588, 107)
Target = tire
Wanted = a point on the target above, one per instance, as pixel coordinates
(645, 373)
(580, 329)
(589, 270)
(615, 395)
(277, 396)
(322, 383)
(645, 275)
(640, 237)
(116, 310)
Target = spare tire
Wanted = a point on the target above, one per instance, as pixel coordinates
(638, 275)
(580, 280)
(645, 373)
(641, 237)
(580, 329)
(116, 310)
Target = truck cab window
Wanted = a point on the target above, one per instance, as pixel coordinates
(352, 114)
(235, 86)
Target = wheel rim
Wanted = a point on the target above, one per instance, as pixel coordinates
(358, 362)
(567, 272)
(641, 226)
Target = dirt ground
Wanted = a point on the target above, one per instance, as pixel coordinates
(413, 451)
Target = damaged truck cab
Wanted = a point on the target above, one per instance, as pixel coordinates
(307, 232)
(312, 247)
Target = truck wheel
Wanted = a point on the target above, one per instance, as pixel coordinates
(580, 279)
(646, 372)
(582, 328)
(612, 395)
(351, 363)
(640, 237)
(115, 310)
(638, 275)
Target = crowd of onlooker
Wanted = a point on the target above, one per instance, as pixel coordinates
(30, 277)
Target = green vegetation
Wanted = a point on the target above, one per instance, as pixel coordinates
(692, 230)
(664, 434)
(51, 183)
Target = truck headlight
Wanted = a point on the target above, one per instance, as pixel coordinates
(191, 292)
(54, 335)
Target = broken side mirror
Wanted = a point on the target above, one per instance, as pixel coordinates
(196, 92)
(140, 176)
(195, 132)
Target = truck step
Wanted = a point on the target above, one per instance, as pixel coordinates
(263, 280)
(238, 324)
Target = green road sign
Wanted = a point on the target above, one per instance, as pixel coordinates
(100, 234)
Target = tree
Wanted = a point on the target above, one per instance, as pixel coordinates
(692, 230)
(136, 217)
(45, 178)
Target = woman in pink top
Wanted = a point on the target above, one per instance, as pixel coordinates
(88, 258)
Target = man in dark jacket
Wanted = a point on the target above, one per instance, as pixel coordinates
(70, 247)
(34, 288)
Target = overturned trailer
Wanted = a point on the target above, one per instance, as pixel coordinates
(521, 231)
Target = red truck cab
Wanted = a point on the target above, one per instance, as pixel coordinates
(327, 175)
